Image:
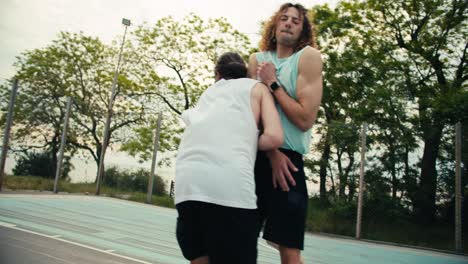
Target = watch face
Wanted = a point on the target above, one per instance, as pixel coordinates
(274, 86)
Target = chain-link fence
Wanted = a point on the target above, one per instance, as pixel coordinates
(411, 193)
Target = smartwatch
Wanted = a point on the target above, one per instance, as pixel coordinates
(274, 86)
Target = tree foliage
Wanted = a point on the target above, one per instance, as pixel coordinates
(431, 38)
(81, 67)
(400, 67)
(173, 63)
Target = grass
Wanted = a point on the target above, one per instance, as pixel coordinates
(437, 236)
(340, 220)
(42, 184)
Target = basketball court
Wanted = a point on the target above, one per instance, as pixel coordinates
(48, 228)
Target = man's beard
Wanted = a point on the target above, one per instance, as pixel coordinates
(288, 41)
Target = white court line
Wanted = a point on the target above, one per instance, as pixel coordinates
(8, 225)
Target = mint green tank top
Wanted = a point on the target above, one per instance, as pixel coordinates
(287, 72)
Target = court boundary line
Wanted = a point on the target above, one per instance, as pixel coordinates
(13, 226)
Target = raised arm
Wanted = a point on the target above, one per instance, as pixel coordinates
(272, 136)
(252, 67)
(303, 111)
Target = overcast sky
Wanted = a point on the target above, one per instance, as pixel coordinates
(30, 24)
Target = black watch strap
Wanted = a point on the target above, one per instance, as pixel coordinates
(274, 86)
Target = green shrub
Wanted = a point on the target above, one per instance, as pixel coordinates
(41, 164)
(136, 181)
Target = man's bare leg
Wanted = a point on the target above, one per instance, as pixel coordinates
(201, 260)
(277, 247)
(290, 255)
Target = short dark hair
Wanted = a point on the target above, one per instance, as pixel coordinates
(307, 38)
(230, 65)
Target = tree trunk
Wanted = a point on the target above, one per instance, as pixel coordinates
(410, 184)
(393, 171)
(350, 182)
(333, 189)
(426, 194)
(53, 163)
(54, 149)
(352, 188)
(323, 168)
(341, 176)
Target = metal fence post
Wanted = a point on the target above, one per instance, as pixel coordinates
(153, 163)
(361, 181)
(62, 145)
(458, 192)
(172, 190)
(6, 135)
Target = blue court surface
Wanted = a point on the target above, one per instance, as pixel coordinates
(144, 233)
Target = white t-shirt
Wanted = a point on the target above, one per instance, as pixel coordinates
(216, 157)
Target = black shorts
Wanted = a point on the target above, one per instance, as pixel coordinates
(225, 234)
(282, 214)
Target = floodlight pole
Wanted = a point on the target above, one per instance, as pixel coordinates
(6, 135)
(126, 23)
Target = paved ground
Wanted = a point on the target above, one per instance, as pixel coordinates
(52, 228)
(19, 246)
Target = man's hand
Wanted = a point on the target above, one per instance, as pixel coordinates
(281, 166)
(267, 73)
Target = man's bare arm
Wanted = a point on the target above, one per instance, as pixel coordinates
(272, 136)
(252, 68)
(303, 111)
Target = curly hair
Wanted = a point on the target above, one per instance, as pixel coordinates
(307, 38)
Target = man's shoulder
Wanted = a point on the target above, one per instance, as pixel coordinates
(310, 58)
(311, 53)
(255, 54)
(260, 54)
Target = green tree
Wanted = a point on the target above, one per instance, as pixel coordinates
(431, 38)
(401, 67)
(81, 67)
(348, 77)
(173, 63)
(40, 104)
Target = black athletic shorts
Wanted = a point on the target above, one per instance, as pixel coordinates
(282, 214)
(225, 234)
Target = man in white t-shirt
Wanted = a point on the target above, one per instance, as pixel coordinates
(215, 186)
